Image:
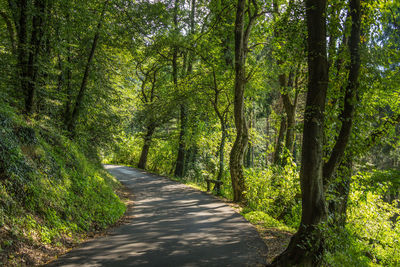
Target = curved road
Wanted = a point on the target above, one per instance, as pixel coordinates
(173, 225)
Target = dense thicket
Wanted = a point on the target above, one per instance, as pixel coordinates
(292, 105)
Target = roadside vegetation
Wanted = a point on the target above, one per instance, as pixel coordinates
(53, 193)
(291, 105)
(370, 236)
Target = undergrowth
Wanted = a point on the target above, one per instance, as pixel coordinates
(51, 195)
(273, 201)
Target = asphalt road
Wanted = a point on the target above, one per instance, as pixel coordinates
(172, 225)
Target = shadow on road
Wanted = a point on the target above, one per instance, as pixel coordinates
(173, 225)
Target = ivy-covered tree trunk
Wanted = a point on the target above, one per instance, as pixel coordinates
(306, 246)
(223, 118)
(339, 158)
(146, 146)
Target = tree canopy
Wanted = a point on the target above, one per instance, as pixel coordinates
(292, 106)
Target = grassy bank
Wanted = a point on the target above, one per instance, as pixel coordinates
(51, 193)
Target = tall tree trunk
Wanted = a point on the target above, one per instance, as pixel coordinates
(350, 98)
(223, 118)
(290, 109)
(291, 123)
(146, 146)
(306, 246)
(221, 149)
(34, 51)
(267, 156)
(20, 15)
(242, 138)
(180, 161)
(79, 99)
(280, 141)
(242, 33)
(247, 157)
(285, 83)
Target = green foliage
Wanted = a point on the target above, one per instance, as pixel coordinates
(275, 191)
(49, 190)
(373, 217)
(344, 249)
(53, 186)
(372, 233)
(127, 151)
(259, 217)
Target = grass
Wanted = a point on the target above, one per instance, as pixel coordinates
(51, 195)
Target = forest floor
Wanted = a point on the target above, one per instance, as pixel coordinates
(171, 224)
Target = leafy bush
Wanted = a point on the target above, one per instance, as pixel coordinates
(275, 191)
(372, 233)
(373, 217)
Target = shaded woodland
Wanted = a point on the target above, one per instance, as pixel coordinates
(291, 108)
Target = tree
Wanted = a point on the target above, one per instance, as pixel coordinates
(306, 246)
(289, 53)
(223, 112)
(72, 118)
(29, 44)
(150, 76)
(242, 34)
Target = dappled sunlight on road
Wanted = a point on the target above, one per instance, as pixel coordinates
(173, 225)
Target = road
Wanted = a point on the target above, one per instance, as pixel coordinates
(172, 225)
